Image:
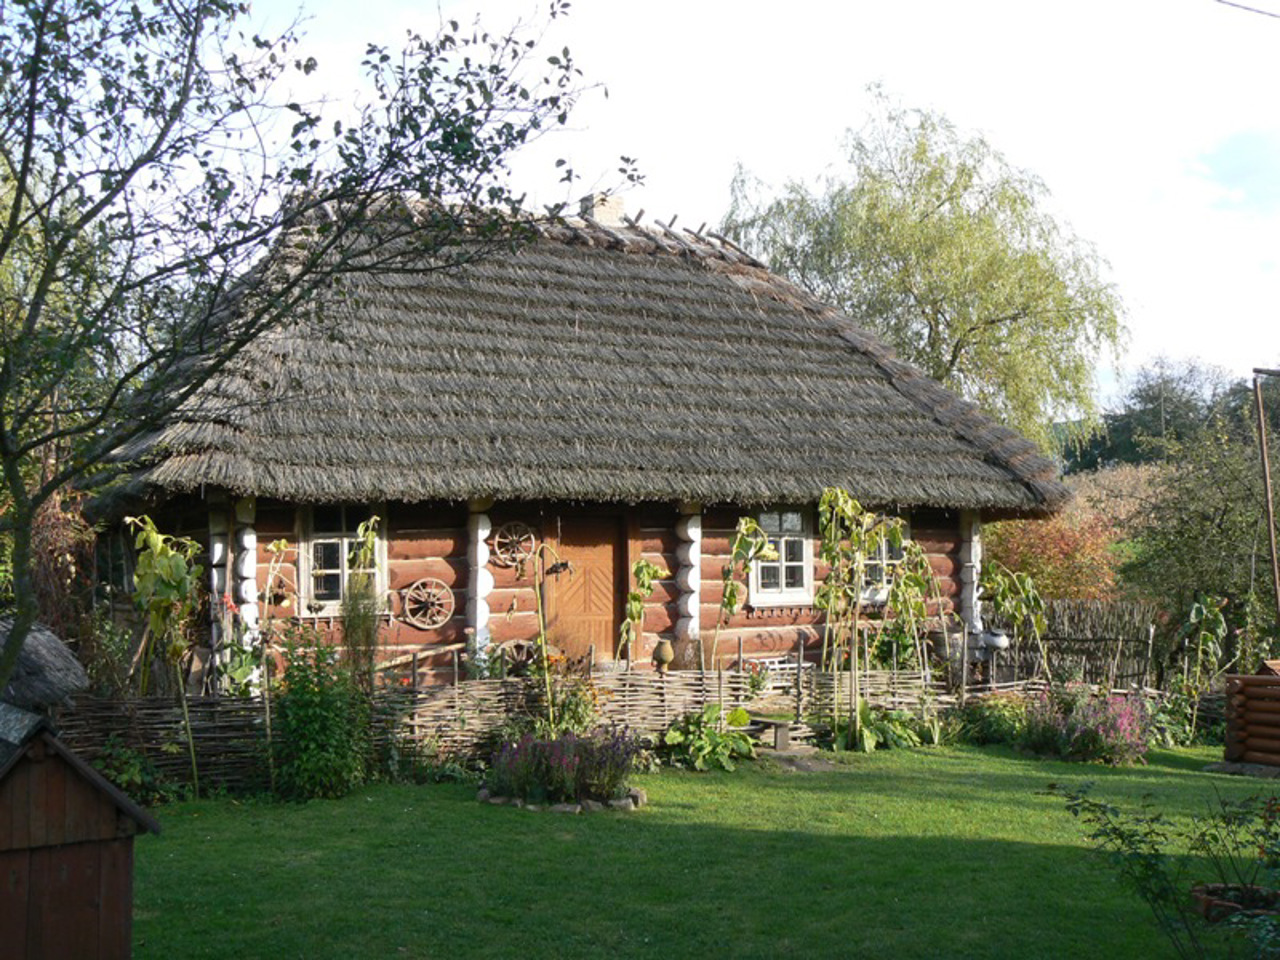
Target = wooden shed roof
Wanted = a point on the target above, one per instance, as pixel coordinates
(594, 363)
(20, 729)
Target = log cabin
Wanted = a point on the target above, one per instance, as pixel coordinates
(603, 393)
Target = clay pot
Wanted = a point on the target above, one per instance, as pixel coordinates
(1218, 901)
(663, 654)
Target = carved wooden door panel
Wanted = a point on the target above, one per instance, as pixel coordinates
(585, 602)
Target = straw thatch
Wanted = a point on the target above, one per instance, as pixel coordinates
(594, 363)
(47, 673)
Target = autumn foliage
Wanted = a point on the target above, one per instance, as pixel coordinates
(1070, 556)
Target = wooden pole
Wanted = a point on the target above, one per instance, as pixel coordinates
(415, 671)
(1266, 479)
(720, 694)
(455, 668)
(1146, 664)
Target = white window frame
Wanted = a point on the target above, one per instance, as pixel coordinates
(877, 590)
(783, 596)
(309, 606)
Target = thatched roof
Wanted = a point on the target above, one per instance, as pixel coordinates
(47, 674)
(595, 363)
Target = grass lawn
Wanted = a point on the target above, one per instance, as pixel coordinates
(946, 852)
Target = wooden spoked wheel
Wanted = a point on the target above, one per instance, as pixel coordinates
(428, 603)
(513, 543)
(520, 655)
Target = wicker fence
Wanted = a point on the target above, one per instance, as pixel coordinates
(231, 733)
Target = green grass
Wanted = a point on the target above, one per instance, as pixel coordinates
(947, 852)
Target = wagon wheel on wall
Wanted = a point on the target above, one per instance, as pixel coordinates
(513, 543)
(428, 603)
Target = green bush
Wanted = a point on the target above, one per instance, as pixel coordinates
(696, 741)
(996, 718)
(133, 772)
(321, 727)
(880, 728)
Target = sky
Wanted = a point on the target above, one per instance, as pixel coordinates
(1153, 123)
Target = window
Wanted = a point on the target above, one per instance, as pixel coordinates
(881, 568)
(330, 554)
(788, 580)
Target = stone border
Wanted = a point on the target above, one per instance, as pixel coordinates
(635, 799)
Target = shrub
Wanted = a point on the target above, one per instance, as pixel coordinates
(1071, 723)
(133, 772)
(696, 741)
(321, 727)
(997, 718)
(881, 729)
(563, 769)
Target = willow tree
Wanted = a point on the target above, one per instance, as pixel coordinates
(931, 239)
(163, 203)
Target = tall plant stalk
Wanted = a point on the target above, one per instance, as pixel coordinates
(167, 585)
(750, 543)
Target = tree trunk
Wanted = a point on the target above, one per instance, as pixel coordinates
(26, 608)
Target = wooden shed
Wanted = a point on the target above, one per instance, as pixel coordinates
(66, 849)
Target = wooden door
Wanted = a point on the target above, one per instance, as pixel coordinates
(584, 604)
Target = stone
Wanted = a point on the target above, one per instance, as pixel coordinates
(497, 801)
(638, 796)
(529, 806)
(566, 808)
(482, 794)
(592, 806)
(625, 803)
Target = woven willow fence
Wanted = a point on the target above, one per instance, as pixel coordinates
(231, 733)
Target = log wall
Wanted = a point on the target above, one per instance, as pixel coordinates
(430, 540)
(1253, 719)
(776, 631)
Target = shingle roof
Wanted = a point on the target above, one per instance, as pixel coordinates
(594, 363)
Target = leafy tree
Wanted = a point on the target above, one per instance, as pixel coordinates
(1071, 555)
(161, 207)
(934, 241)
(1170, 402)
(1203, 532)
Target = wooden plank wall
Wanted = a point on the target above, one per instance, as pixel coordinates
(66, 863)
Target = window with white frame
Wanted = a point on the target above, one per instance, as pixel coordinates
(331, 554)
(787, 580)
(883, 565)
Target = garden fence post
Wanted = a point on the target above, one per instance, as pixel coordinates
(720, 693)
(1146, 664)
(415, 671)
(799, 675)
(455, 668)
